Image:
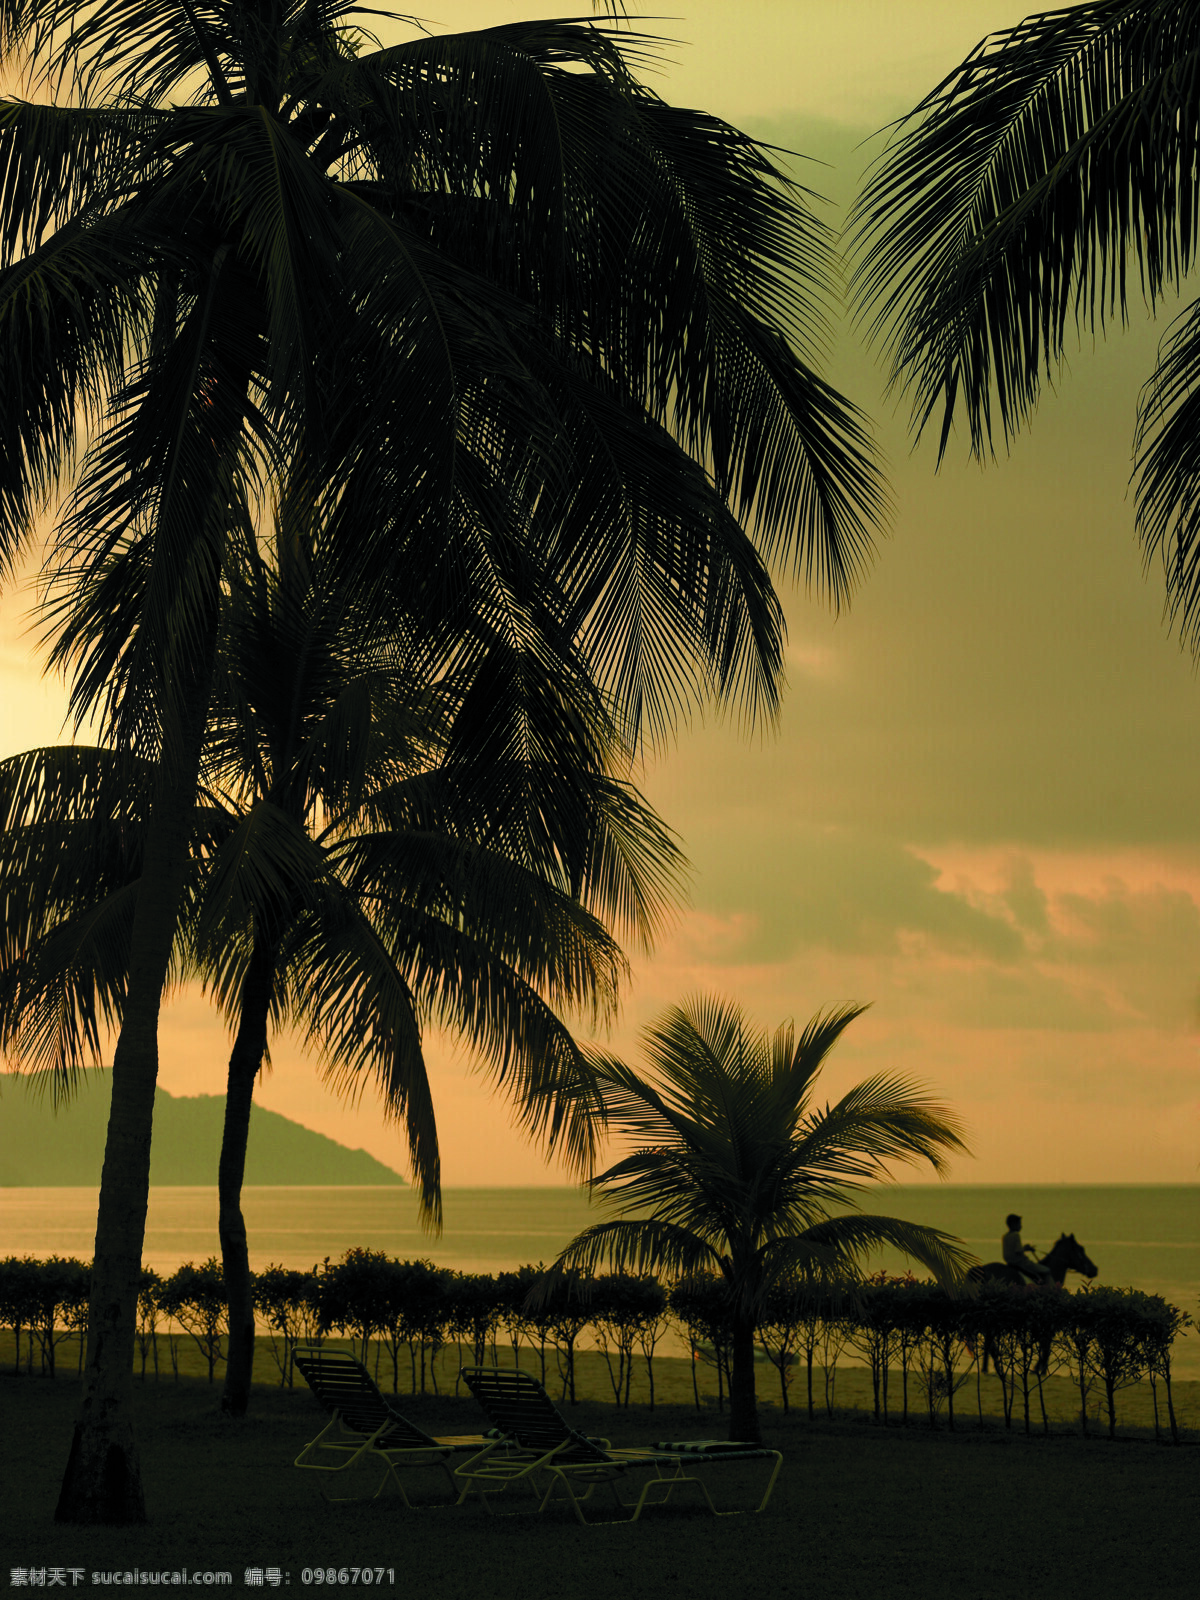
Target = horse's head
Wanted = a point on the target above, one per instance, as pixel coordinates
(1073, 1256)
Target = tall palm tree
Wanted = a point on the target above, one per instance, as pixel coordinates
(1010, 202)
(385, 864)
(358, 867)
(515, 317)
(735, 1169)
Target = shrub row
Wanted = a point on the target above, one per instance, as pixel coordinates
(916, 1342)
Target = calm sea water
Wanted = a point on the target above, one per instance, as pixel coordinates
(1141, 1237)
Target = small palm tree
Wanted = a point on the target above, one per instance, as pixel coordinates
(734, 1169)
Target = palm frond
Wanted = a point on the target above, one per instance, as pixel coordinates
(1167, 469)
(58, 163)
(1015, 196)
(66, 312)
(856, 1235)
(346, 990)
(641, 1246)
(884, 1118)
(150, 514)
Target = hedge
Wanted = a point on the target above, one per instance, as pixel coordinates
(922, 1348)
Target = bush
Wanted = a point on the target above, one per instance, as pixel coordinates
(627, 1309)
(700, 1305)
(18, 1301)
(46, 1299)
(1103, 1336)
(195, 1298)
(289, 1302)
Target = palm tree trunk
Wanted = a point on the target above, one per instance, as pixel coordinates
(743, 1404)
(102, 1483)
(244, 1062)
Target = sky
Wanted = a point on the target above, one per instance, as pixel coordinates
(979, 811)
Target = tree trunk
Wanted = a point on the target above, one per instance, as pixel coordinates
(244, 1063)
(743, 1405)
(103, 1483)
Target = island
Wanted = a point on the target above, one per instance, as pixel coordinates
(42, 1146)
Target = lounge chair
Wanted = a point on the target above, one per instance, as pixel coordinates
(537, 1442)
(364, 1427)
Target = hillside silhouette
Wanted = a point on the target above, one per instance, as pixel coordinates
(44, 1147)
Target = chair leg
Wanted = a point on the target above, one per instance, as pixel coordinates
(668, 1485)
(762, 1505)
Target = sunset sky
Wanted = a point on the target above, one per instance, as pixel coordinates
(980, 810)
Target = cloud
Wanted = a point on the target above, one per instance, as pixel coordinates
(780, 889)
(979, 944)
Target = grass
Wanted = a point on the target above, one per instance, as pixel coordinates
(850, 1388)
(859, 1511)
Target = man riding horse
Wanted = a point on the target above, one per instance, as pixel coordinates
(1019, 1255)
(1065, 1255)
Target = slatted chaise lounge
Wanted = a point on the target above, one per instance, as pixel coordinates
(538, 1443)
(364, 1427)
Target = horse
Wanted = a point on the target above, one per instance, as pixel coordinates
(1065, 1255)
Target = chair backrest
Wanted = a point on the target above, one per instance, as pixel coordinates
(518, 1406)
(342, 1384)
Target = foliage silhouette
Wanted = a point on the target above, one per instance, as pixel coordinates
(1011, 201)
(739, 1172)
(542, 346)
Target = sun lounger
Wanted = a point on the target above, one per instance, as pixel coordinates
(364, 1427)
(539, 1447)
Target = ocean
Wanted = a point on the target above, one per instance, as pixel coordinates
(1142, 1237)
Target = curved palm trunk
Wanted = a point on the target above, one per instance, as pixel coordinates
(743, 1403)
(244, 1063)
(102, 1483)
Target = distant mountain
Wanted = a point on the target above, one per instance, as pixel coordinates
(44, 1148)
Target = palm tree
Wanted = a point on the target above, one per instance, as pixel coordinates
(355, 871)
(517, 321)
(1010, 203)
(734, 1169)
(384, 864)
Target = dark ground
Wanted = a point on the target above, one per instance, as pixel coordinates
(859, 1513)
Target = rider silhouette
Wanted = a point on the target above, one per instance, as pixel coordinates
(1017, 1254)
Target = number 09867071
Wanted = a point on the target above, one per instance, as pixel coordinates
(342, 1575)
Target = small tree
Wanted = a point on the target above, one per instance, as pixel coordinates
(474, 1309)
(570, 1307)
(195, 1297)
(287, 1300)
(354, 1297)
(18, 1303)
(805, 1316)
(1121, 1339)
(56, 1305)
(653, 1325)
(420, 1295)
(75, 1313)
(150, 1288)
(623, 1306)
(1167, 1322)
(941, 1351)
(1075, 1342)
(701, 1305)
(511, 1290)
(730, 1167)
(535, 1315)
(877, 1332)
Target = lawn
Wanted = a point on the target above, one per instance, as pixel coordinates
(859, 1511)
